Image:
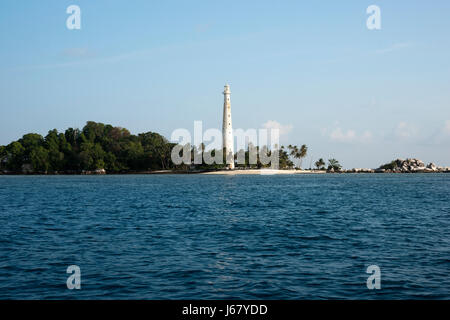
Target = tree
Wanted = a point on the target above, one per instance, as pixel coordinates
(265, 151)
(39, 159)
(72, 136)
(284, 161)
(55, 156)
(133, 154)
(320, 164)
(31, 140)
(390, 166)
(91, 156)
(293, 151)
(3, 155)
(297, 153)
(302, 153)
(115, 149)
(93, 131)
(15, 153)
(334, 165)
(111, 163)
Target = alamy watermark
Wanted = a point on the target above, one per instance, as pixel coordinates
(374, 20)
(73, 22)
(261, 144)
(74, 280)
(374, 280)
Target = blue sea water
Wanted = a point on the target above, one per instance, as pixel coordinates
(225, 237)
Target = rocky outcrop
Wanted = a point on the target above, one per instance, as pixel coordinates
(410, 166)
(362, 170)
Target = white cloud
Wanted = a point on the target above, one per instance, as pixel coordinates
(283, 129)
(91, 58)
(441, 135)
(350, 135)
(77, 52)
(367, 135)
(405, 130)
(394, 47)
(341, 136)
(447, 127)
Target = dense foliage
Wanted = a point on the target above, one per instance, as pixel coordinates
(95, 146)
(390, 166)
(115, 149)
(284, 162)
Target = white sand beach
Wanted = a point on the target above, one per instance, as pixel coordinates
(263, 172)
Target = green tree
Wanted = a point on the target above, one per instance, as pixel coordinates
(15, 153)
(93, 131)
(133, 155)
(157, 151)
(72, 135)
(3, 155)
(298, 153)
(302, 153)
(92, 156)
(31, 140)
(334, 164)
(284, 161)
(39, 159)
(55, 156)
(111, 163)
(320, 164)
(96, 146)
(390, 166)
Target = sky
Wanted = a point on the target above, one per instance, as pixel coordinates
(311, 68)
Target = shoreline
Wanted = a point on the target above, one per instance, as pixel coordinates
(222, 172)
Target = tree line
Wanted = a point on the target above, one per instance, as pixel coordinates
(115, 149)
(95, 146)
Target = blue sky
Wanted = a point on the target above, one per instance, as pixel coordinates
(361, 96)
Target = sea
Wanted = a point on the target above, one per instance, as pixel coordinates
(191, 236)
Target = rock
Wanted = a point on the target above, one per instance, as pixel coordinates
(96, 171)
(410, 165)
(360, 170)
(27, 168)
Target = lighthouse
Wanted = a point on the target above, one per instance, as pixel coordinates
(227, 129)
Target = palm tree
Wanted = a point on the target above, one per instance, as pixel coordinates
(293, 151)
(334, 164)
(320, 164)
(302, 153)
(297, 153)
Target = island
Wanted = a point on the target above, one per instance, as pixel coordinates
(105, 149)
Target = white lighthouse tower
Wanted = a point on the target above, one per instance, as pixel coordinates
(227, 129)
